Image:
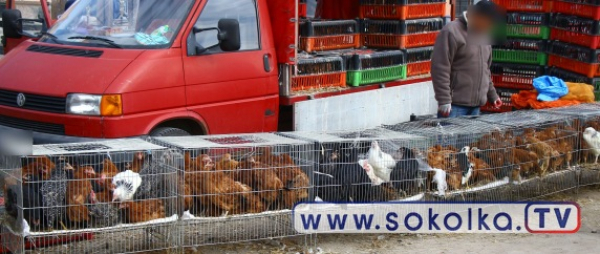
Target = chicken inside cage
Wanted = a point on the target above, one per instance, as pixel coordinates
(243, 183)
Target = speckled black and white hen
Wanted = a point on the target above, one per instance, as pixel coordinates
(53, 192)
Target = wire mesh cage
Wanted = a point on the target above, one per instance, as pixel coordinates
(103, 197)
(319, 35)
(545, 148)
(475, 156)
(587, 116)
(374, 165)
(241, 187)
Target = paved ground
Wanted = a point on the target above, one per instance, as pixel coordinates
(586, 241)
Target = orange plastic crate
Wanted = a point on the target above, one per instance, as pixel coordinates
(581, 10)
(512, 82)
(318, 81)
(526, 5)
(399, 41)
(409, 11)
(322, 43)
(586, 40)
(587, 69)
(418, 68)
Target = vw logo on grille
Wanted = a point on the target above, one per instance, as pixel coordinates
(21, 100)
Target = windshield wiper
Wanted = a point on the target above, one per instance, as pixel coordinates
(52, 37)
(94, 38)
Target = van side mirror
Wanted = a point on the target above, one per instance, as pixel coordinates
(228, 35)
(16, 27)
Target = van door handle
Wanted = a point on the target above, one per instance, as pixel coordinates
(267, 62)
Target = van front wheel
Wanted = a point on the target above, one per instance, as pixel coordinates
(169, 132)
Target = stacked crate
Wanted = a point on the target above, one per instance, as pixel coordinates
(576, 33)
(523, 56)
(411, 25)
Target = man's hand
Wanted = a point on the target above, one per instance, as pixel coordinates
(498, 103)
(445, 110)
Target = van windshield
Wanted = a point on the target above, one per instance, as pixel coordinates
(121, 23)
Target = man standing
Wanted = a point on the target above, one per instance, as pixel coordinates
(460, 65)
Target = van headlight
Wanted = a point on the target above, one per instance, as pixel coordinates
(94, 105)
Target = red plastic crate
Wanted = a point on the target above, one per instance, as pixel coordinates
(302, 10)
(399, 41)
(505, 108)
(402, 12)
(586, 40)
(318, 81)
(581, 10)
(322, 43)
(587, 69)
(418, 68)
(526, 5)
(512, 82)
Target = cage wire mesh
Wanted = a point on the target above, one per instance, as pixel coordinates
(545, 148)
(103, 197)
(365, 166)
(586, 116)
(241, 187)
(476, 157)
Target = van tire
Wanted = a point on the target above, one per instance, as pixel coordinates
(169, 132)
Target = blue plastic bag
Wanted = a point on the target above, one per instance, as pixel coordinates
(550, 88)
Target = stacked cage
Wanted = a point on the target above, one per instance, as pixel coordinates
(400, 34)
(321, 35)
(374, 67)
(576, 40)
(104, 197)
(318, 73)
(374, 165)
(586, 116)
(523, 55)
(418, 61)
(475, 156)
(241, 187)
(544, 152)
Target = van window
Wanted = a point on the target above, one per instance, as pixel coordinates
(242, 10)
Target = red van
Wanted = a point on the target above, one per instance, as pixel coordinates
(125, 68)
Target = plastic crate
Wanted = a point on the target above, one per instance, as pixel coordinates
(399, 41)
(418, 54)
(575, 52)
(576, 24)
(586, 40)
(402, 26)
(568, 76)
(376, 75)
(329, 35)
(523, 44)
(318, 73)
(587, 69)
(592, 2)
(376, 60)
(515, 76)
(377, 9)
(526, 18)
(581, 10)
(506, 97)
(519, 56)
(526, 31)
(525, 5)
(418, 68)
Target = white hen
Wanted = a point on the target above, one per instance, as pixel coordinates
(383, 164)
(591, 137)
(126, 184)
(375, 180)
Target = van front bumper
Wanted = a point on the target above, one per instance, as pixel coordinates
(45, 138)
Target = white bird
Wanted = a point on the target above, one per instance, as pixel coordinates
(465, 165)
(383, 164)
(375, 180)
(591, 137)
(126, 184)
(440, 179)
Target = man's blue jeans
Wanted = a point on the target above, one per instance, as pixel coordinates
(458, 111)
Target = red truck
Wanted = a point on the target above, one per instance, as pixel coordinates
(127, 68)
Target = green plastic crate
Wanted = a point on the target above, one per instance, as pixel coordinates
(528, 32)
(376, 75)
(519, 56)
(597, 94)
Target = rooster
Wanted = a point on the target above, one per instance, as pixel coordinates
(592, 139)
(382, 163)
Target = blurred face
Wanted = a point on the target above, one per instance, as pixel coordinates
(480, 24)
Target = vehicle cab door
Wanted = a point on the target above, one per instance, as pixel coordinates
(23, 20)
(233, 91)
